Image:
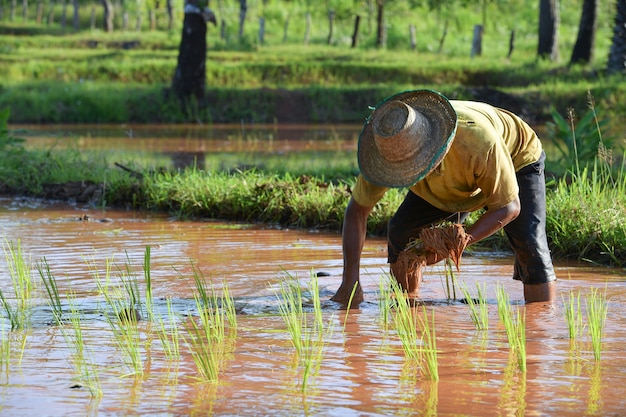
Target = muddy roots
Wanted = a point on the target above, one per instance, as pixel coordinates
(445, 241)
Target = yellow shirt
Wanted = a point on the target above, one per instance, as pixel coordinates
(478, 171)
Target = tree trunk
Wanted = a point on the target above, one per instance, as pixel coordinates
(153, 19)
(331, 23)
(307, 28)
(64, 14)
(189, 81)
(92, 22)
(548, 47)
(261, 30)
(286, 29)
(511, 44)
(243, 9)
(380, 22)
(617, 54)
(138, 22)
(170, 13)
(39, 14)
(108, 15)
(76, 18)
(51, 13)
(477, 41)
(355, 33)
(25, 10)
(586, 39)
(443, 37)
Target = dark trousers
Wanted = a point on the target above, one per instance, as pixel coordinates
(527, 233)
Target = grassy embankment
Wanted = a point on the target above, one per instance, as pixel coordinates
(63, 77)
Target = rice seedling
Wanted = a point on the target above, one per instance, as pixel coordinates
(307, 336)
(214, 311)
(479, 309)
(429, 341)
(315, 342)
(519, 325)
(515, 327)
(418, 341)
(573, 315)
(127, 336)
(5, 352)
(450, 284)
(349, 305)
(50, 283)
(168, 333)
(385, 300)
(122, 318)
(23, 286)
(405, 325)
(290, 309)
(597, 310)
(205, 351)
(130, 284)
(207, 340)
(86, 370)
(148, 281)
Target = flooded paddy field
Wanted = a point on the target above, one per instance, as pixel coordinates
(361, 370)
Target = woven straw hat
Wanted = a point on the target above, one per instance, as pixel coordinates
(406, 137)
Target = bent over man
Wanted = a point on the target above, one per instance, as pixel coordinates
(455, 157)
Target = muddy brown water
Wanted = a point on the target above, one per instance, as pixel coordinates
(363, 371)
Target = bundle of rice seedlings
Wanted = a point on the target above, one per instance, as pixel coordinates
(446, 241)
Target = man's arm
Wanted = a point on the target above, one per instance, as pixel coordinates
(353, 239)
(493, 220)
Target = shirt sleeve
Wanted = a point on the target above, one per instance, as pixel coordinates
(367, 194)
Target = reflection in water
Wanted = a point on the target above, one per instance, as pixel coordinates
(363, 371)
(594, 396)
(513, 391)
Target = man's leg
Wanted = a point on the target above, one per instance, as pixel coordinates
(413, 215)
(527, 234)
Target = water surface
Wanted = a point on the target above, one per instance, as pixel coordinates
(364, 371)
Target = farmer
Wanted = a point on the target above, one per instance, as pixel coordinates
(456, 157)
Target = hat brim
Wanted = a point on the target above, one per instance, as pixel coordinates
(443, 120)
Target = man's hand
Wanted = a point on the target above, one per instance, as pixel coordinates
(353, 238)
